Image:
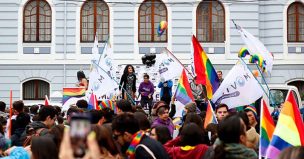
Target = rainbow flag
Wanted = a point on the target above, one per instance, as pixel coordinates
(183, 91)
(205, 73)
(289, 129)
(108, 104)
(210, 116)
(93, 103)
(267, 129)
(72, 92)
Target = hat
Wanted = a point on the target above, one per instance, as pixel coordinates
(157, 105)
(253, 109)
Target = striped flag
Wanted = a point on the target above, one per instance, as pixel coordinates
(289, 129)
(108, 104)
(205, 73)
(183, 91)
(46, 101)
(210, 116)
(267, 129)
(93, 103)
(68, 93)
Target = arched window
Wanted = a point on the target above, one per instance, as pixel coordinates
(150, 14)
(35, 90)
(210, 22)
(94, 18)
(37, 21)
(295, 22)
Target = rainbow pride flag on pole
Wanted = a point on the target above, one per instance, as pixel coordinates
(183, 91)
(72, 92)
(267, 129)
(210, 116)
(93, 103)
(108, 104)
(205, 73)
(289, 129)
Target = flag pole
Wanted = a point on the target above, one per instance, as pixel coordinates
(104, 45)
(270, 94)
(116, 83)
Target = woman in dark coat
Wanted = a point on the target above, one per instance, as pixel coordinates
(128, 83)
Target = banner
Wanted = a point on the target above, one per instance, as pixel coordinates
(100, 83)
(106, 61)
(168, 67)
(238, 88)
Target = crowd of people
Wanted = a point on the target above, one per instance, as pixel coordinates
(46, 132)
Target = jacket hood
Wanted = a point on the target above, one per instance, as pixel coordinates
(36, 125)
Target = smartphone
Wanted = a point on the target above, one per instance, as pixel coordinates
(80, 127)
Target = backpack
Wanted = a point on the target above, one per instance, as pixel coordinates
(32, 133)
(146, 149)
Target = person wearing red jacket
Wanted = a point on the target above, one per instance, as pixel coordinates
(188, 145)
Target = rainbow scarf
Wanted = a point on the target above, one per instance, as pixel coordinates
(204, 70)
(136, 140)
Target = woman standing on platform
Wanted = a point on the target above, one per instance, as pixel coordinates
(82, 80)
(128, 83)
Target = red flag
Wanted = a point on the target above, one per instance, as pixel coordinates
(96, 104)
(46, 101)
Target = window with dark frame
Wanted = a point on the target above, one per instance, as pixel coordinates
(37, 21)
(94, 18)
(295, 22)
(35, 90)
(210, 22)
(150, 14)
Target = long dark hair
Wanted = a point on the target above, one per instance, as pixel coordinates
(57, 134)
(163, 134)
(44, 148)
(229, 131)
(192, 135)
(104, 139)
(245, 118)
(143, 121)
(80, 75)
(126, 70)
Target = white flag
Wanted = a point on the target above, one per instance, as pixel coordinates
(100, 83)
(239, 88)
(95, 50)
(168, 67)
(255, 46)
(71, 101)
(106, 61)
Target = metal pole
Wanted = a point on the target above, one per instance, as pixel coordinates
(64, 44)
